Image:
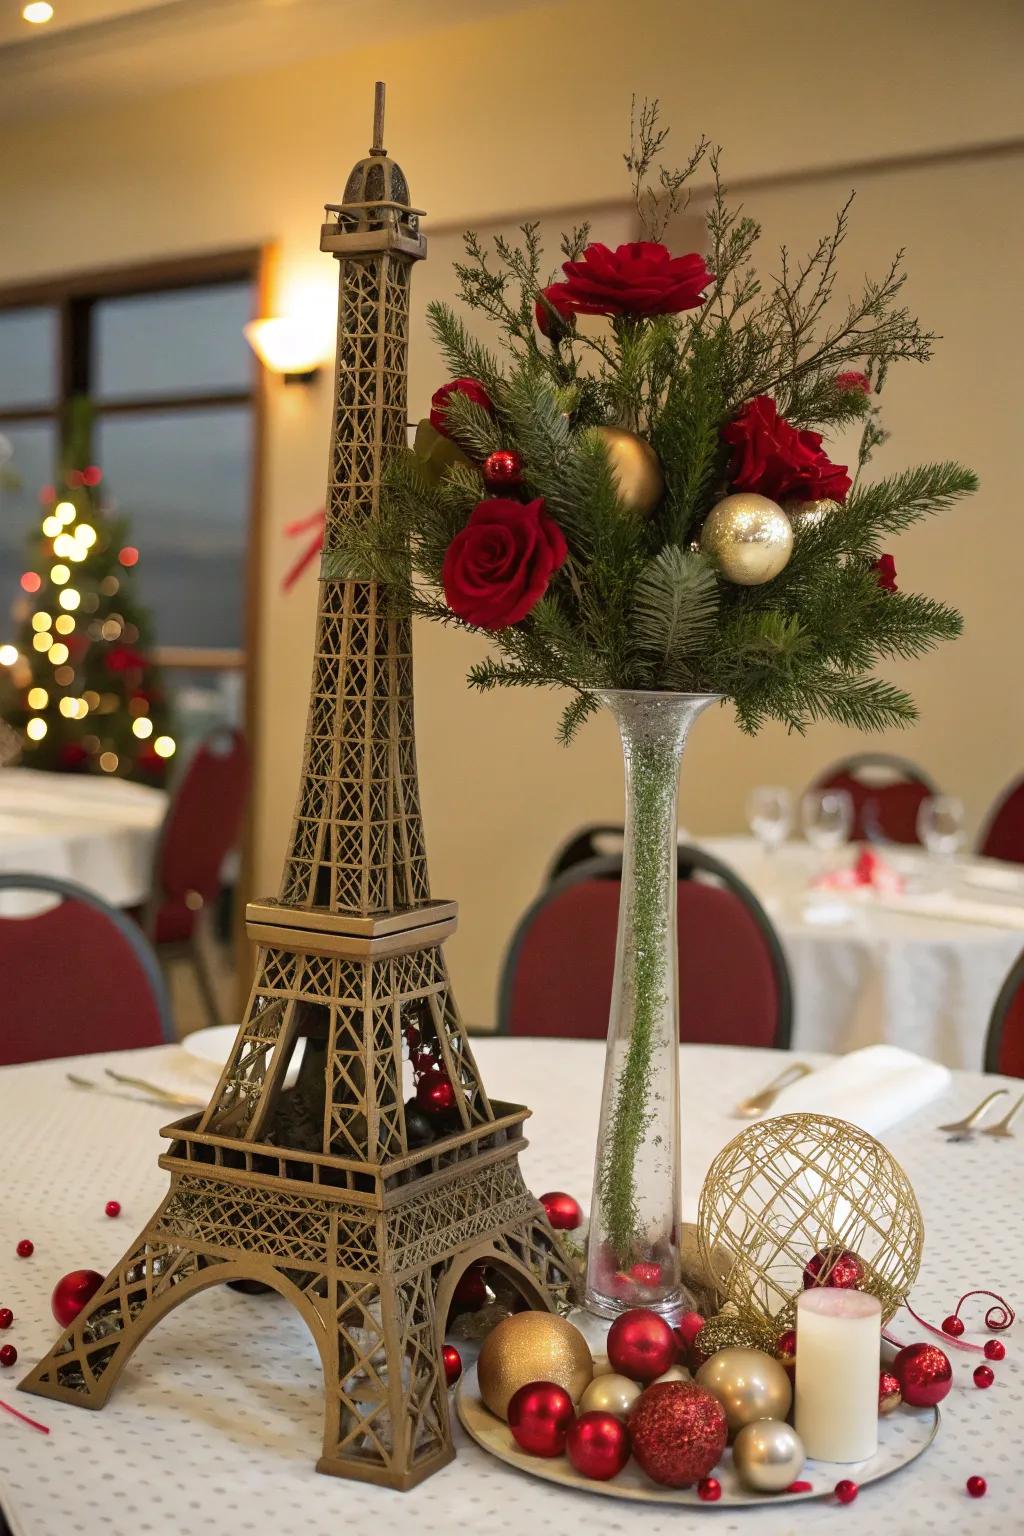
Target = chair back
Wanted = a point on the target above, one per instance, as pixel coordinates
(734, 982)
(1004, 1046)
(887, 792)
(78, 976)
(202, 826)
(1003, 837)
(596, 841)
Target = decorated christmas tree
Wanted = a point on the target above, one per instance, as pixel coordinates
(78, 683)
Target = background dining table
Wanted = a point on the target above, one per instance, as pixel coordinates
(217, 1420)
(921, 970)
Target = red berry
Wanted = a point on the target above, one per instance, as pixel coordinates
(113, 1207)
(977, 1487)
(953, 1325)
(846, 1490)
(995, 1349)
(412, 1036)
(709, 1489)
(800, 1486)
(8, 1355)
(6, 1317)
(984, 1376)
(26, 1248)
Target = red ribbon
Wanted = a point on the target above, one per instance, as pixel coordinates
(996, 1319)
(34, 1423)
(317, 521)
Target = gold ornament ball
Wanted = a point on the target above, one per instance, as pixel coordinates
(749, 538)
(749, 1385)
(610, 1393)
(726, 1331)
(635, 467)
(532, 1346)
(768, 1455)
(807, 514)
(674, 1373)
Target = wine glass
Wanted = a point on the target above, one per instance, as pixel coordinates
(940, 826)
(826, 816)
(770, 815)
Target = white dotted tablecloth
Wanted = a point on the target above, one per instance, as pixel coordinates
(216, 1422)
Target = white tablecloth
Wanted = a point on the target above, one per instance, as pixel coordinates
(100, 832)
(217, 1421)
(877, 974)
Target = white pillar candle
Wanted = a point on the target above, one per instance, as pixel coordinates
(838, 1340)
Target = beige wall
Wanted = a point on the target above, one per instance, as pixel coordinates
(526, 112)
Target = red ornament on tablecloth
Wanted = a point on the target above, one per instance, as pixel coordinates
(890, 1393)
(984, 1376)
(709, 1489)
(641, 1345)
(502, 470)
(71, 1293)
(924, 1373)
(26, 1248)
(435, 1094)
(679, 1431)
(598, 1445)
(6, 1317)
(470, 1293)
(846, 1490)
(452, 1361)
(840, 1268)
(112, 1208)
(540, 1416)
(563, 1212)
(977, 1487)
(8, 1355)
(995, 1349)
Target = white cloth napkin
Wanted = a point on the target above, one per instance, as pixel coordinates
(874, 1088)
(949, 908)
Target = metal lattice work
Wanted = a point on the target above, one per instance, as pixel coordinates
(311, 1186)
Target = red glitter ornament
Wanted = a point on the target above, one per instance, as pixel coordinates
(435, 1094)
(890, 1393)
(785, 1347)
(71, 1293)
(837, 1267)
(113, 1208)
(598, 1445)
(540, 1416)
(995, 1349)
(452, 1361)
(977, 1487)
(687, 1329)
(6, 1317)
(924, 1373)
(846, 1490)
(709, 1489)
(26, 1248)
(953, 1325)
(984, 1376)
(8, 1355)
(470, 1293)
(679, 1431)
(502, 470)
(641, 1345)
(563, 1212)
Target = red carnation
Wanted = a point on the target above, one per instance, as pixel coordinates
(636, 279)
(558, 297)
(885, 572)
(439, 400)
(860, 381)
(775, 459)
(500, 564)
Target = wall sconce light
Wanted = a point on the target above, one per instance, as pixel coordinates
(290, 347)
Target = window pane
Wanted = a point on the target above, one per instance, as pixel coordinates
(28, 452)
(28, 357)
(188, 341)
(182, 479)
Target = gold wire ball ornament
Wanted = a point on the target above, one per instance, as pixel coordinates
(749, 537)
(727, 1330)
(636, 469)
(808, 514)
(532, 1346)
(790, 1188)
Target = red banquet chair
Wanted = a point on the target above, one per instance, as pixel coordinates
(1004, 1046)
(734, 982)
(1003, 837)
(202, 826)
(77, 977)
(887, 793)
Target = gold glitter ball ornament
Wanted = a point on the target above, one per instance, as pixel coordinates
(532, 1346)
(749, 1385)
(726, 1331)
(768, 1455)
(635, 467)
(794, 1186)
(807, 514)
(610, 1393)
(748, 537)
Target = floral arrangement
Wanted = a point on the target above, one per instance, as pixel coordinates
(638, 494)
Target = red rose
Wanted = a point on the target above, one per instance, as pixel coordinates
(501, 562)
(439, 400)
(557, 295)
(773, 458)
(845, 381)
(636, 279)
(885, 573)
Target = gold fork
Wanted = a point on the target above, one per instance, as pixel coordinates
(133, 1098)
(759, 1102)
(961, 1130)
(153, 1089)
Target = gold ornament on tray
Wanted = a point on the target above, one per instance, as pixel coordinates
(768, 1455)
(749, 1384)
(787, 1190)
(807, 514)
(610, 1393)
(636, 469)
(533, 1346)
(749, 538)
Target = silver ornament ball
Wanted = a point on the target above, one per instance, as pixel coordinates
(749, 538)
(768, 1455)
(808, 514)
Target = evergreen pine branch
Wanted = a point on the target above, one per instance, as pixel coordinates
(574, 714)
(473, 428)
(463, 353)
(675, 608)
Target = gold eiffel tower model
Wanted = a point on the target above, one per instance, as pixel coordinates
(319, 1189)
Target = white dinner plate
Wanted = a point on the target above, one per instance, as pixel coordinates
(212, 1047)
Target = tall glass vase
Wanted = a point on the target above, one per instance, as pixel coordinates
(633, 1247)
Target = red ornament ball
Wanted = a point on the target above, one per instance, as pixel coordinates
(452, 1361)
(953, 1325)
(470, 1293)
(687, 1329)
(977, 1487)
(890, 1393)
(8, 1355)
(679, 1431)
(984, 1376)
(995, 1349)
(563, 1212)
(924, 1374)
(26, 1248)
(841, 1268)
(540, 1416)
(647, 1272)
(641, 1345)
(598, 1445)
(502, 470)
(785, 1347)
(113, 1208)
(709, 1489)
(6, 1317)
(846, 1490)
(435, 1094)
(71, 1293)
